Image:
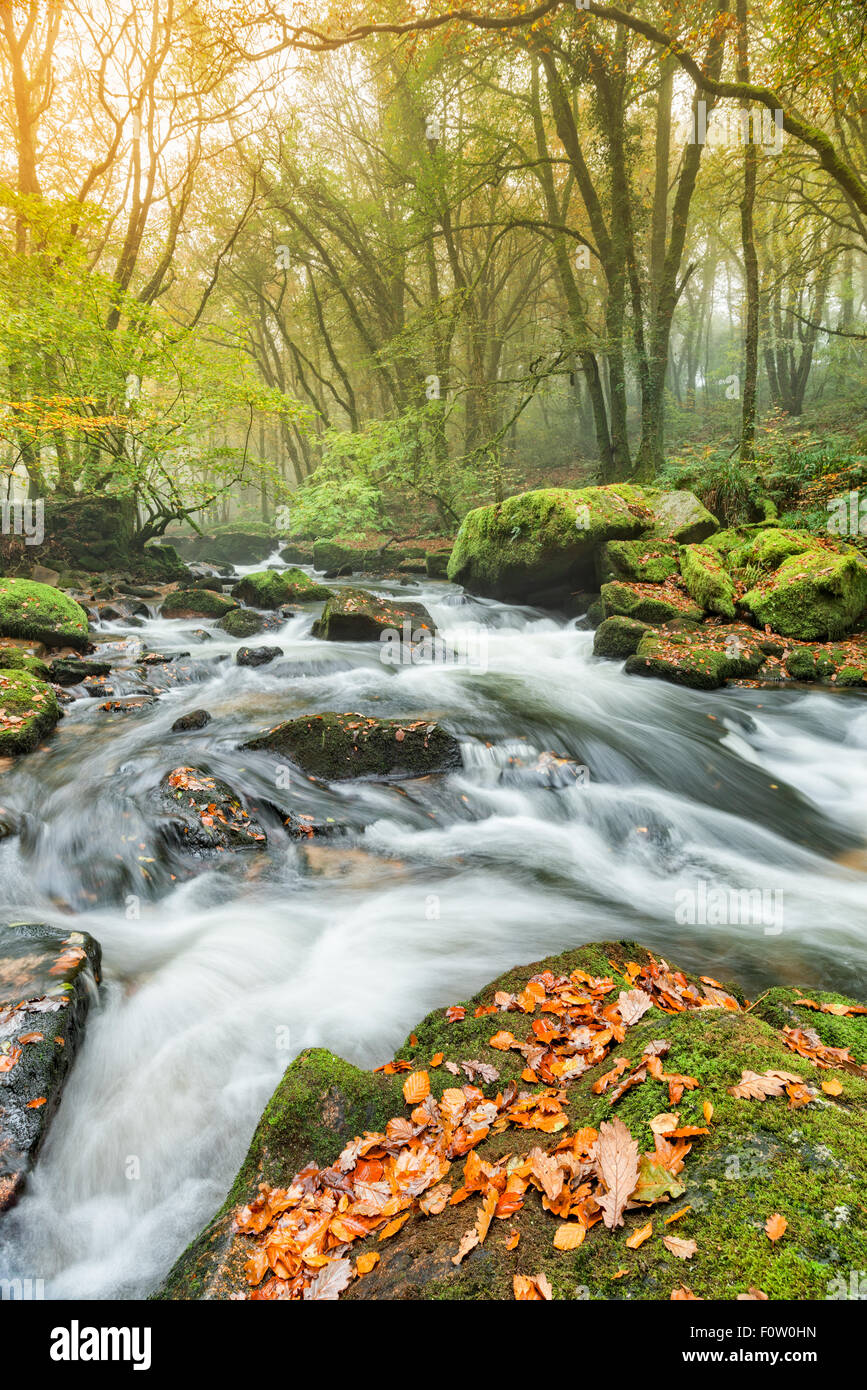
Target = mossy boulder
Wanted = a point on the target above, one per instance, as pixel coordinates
(197, 603)
(649, 603)
(354, 615)
(801, 1154)
(47, 979)
(334, 557)
(680, 516)
(650, 561)
(14, 659)
(232, 545)
(28, 711)
(764, 549)
(337, 746)
(241, 622)
(814, 595)
(539, 546)
(618, 637)
(273, 588)
(41, 614)
(295, 554)
(702, 660)
(707, 581)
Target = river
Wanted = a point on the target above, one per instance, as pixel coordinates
(217, 973)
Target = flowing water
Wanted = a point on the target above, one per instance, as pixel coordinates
(216, 974)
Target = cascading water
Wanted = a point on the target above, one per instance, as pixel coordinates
(216, 975)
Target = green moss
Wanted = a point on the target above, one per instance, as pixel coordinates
(273, 588)
(196, 603)
(814, 595)
(706, 580)
(241, 622)
(337, 746)
(28, 711)
(649, 561)
(648, 603)
(41, 614)
(704, 660)
(13, 659)
(801, 664)
(618, 637)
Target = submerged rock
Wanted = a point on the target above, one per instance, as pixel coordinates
(205, 814)
(257, 656)
(529, 1111)
(354, 615)
(336, 746)
(47, 984)
(41, 614)
(196, 719)
(273, 588)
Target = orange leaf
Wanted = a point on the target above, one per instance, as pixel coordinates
(416, 1087)
(35, 1104)
(569, 1236)
(775, 1226)
(640, 1236)
(365, 1263)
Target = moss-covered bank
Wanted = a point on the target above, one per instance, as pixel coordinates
(800, 1154)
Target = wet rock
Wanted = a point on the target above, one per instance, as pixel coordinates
(196, 603)
(337, 746)
(28, 711)
(196, 719)
(297, 554)
(69, 671)
(241, 622)
(272, 588)
(232, 546)
(47, 983)
(354, 615)
(257, 656)
(204, 814)
(41, 614)
(128, 704)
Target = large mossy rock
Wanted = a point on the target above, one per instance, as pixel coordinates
(47, 983)
(706, 580)
(618, 637)
(337, 746)
(703, 660)
(539, 547)
(801, 1154)
(28, 711)
(542, 545)
(197, 603)
(816, 594)
(41, 614)
(273, 588)
(649, 603)
(354, 615)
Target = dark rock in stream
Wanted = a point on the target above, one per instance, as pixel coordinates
(204, 814)
(47, 984)
(69, 671)
(354, 615)
(337, 746)
(256, 656)
(196, 719)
